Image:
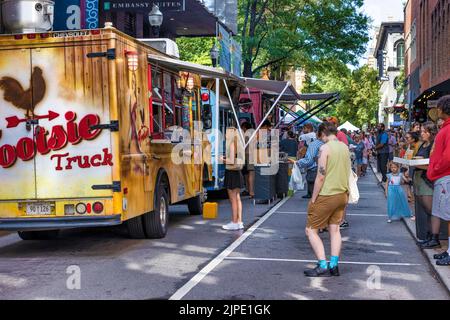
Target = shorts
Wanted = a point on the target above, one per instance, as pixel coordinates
(359, 161)
(441, 199)
(327, 210)
(365, 161)
(247, 169)
(421, 188)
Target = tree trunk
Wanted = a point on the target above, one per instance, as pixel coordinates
(248, 64)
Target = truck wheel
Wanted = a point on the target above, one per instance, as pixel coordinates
(136, 228)
(195, 205)
(156, 222)
(38, 235)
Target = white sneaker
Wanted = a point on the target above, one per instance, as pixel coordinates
(389, 221)
(241, 226)
(231, 226)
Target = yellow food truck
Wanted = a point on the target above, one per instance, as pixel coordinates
(88, 123)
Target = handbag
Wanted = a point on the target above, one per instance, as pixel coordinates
(353, 191)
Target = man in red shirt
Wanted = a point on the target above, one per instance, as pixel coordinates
(439, 173)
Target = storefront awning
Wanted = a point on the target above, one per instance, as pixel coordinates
(273, 89)
(179, 65)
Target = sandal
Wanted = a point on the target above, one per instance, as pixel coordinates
(443, 262)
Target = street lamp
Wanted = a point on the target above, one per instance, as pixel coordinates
(155, 17)
(214, 53)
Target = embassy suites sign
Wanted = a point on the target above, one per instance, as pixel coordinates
(143, 6)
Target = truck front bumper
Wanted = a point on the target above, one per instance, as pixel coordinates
(38, 224)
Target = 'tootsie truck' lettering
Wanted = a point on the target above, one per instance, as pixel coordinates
(83, 162)
(46, 141)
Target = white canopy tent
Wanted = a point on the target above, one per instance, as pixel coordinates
(349, 127)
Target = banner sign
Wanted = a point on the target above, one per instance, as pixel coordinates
(143, 6)
(67, 15)
(236, 57)
(76, 15)
(90, 14)
(225, 49)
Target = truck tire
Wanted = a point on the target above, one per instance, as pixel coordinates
(136, 228)
(195, 205)
(38, 235)
(156, 222)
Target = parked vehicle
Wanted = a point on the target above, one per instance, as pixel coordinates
(87, 134)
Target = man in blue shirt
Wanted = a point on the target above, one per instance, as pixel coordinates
(382, 148)
(309, 162)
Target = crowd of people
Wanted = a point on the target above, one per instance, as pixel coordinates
(326, 155)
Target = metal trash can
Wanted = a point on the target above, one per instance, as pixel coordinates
(423, 223)
(265, 185)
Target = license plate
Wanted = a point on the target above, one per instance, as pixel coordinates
(39, 209)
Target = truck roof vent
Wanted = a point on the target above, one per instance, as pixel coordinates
(166, 46)
(27, 16)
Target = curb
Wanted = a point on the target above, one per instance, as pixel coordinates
(442, 273)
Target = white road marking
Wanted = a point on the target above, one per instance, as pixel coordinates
(348, 214)
(184, 290)
(315, 261)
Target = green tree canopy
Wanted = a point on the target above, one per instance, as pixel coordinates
(196, 50)
(359, 91)
(279, 34)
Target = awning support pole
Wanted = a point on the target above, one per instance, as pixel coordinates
(285, 114)
(217, 154)
(315, 110)
(313, 114)
(234, 112)
(288, 84)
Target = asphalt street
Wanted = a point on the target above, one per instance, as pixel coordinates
(198, 260)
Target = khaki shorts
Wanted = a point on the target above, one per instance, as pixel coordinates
(327, 210)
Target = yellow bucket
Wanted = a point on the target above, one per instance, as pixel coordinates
(210, 210)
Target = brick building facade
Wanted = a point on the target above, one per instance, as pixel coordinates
(427, 55)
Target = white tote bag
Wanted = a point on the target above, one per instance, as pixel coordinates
(353, 197)
(297, 183)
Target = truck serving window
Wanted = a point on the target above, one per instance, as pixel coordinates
(157, 101)
(168, 100)
(178, 93)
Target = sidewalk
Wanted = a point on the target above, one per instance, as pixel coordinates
(443, 273)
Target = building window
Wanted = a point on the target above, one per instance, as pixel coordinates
(400, 50)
